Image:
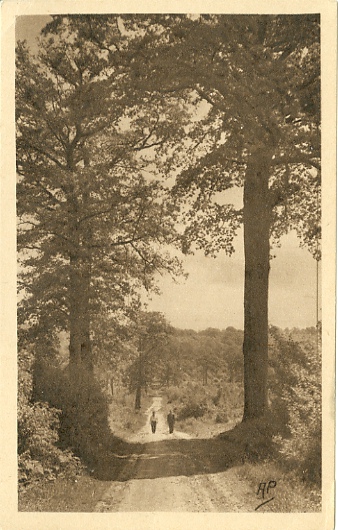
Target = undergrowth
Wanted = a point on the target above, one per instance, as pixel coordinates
(123, 418)
(213, 403)
(291, 494)
(70, 494)
(40, 456)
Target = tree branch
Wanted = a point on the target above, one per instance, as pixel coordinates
(296, 159)
(45, 153)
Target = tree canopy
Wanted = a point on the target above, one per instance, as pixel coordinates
(94, 222)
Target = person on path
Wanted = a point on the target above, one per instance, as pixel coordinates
(153, 422)
(171, 421)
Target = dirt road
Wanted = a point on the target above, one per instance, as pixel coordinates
(176, 473)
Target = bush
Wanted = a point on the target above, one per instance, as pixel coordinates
(296, 404)
(175, 394)
(192, 410)
(38, 425)
(195, 400)
(84, 408)
(190, 401)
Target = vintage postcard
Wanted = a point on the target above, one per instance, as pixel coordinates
(168, 249)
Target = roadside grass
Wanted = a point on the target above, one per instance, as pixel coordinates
(203, 427)
(290, 494)
(124, 420)
(78, 494)
(293, 492)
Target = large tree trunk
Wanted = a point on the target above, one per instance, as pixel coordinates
(257, 219)
(80, 344)
(80, 350)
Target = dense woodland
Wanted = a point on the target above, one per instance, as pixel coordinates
(120, 170)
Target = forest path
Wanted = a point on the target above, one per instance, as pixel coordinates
(175, 473)
(162, 430)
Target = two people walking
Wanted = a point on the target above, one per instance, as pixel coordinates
(170, 420)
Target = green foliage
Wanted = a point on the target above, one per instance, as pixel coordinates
(190, 401)
(192, 409)
(84, 410)
(209, 356)
(65, 494)
(217, 353)
(92, 228)
(258, 77)
(38, 433)
(39, 454)
(123, 419)
(291, 493)
(296, 401)
(222, 404)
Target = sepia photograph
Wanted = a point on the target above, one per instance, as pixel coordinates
(170, 269)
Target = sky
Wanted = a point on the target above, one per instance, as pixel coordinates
(28, 27)
(212, 296)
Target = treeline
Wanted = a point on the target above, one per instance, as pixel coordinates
(173, 356)
(208, 356)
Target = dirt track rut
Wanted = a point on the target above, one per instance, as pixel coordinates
(175, 473)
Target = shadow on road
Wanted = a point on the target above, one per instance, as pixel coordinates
(125, 461)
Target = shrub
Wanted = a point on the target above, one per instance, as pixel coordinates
(192, 410)
(296, 404)
(84, 407)
(196, 400)
(38, 424)
(175, 394)
(191, 401)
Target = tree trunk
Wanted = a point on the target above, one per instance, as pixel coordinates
(257, 219)
(138, 397)
(80, 278)
(79, 344)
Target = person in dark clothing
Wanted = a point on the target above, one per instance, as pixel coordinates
(153, 422)
(171, 421)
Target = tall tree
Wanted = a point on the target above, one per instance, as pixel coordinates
(260, 78)
(92, 225)
(151, 334)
